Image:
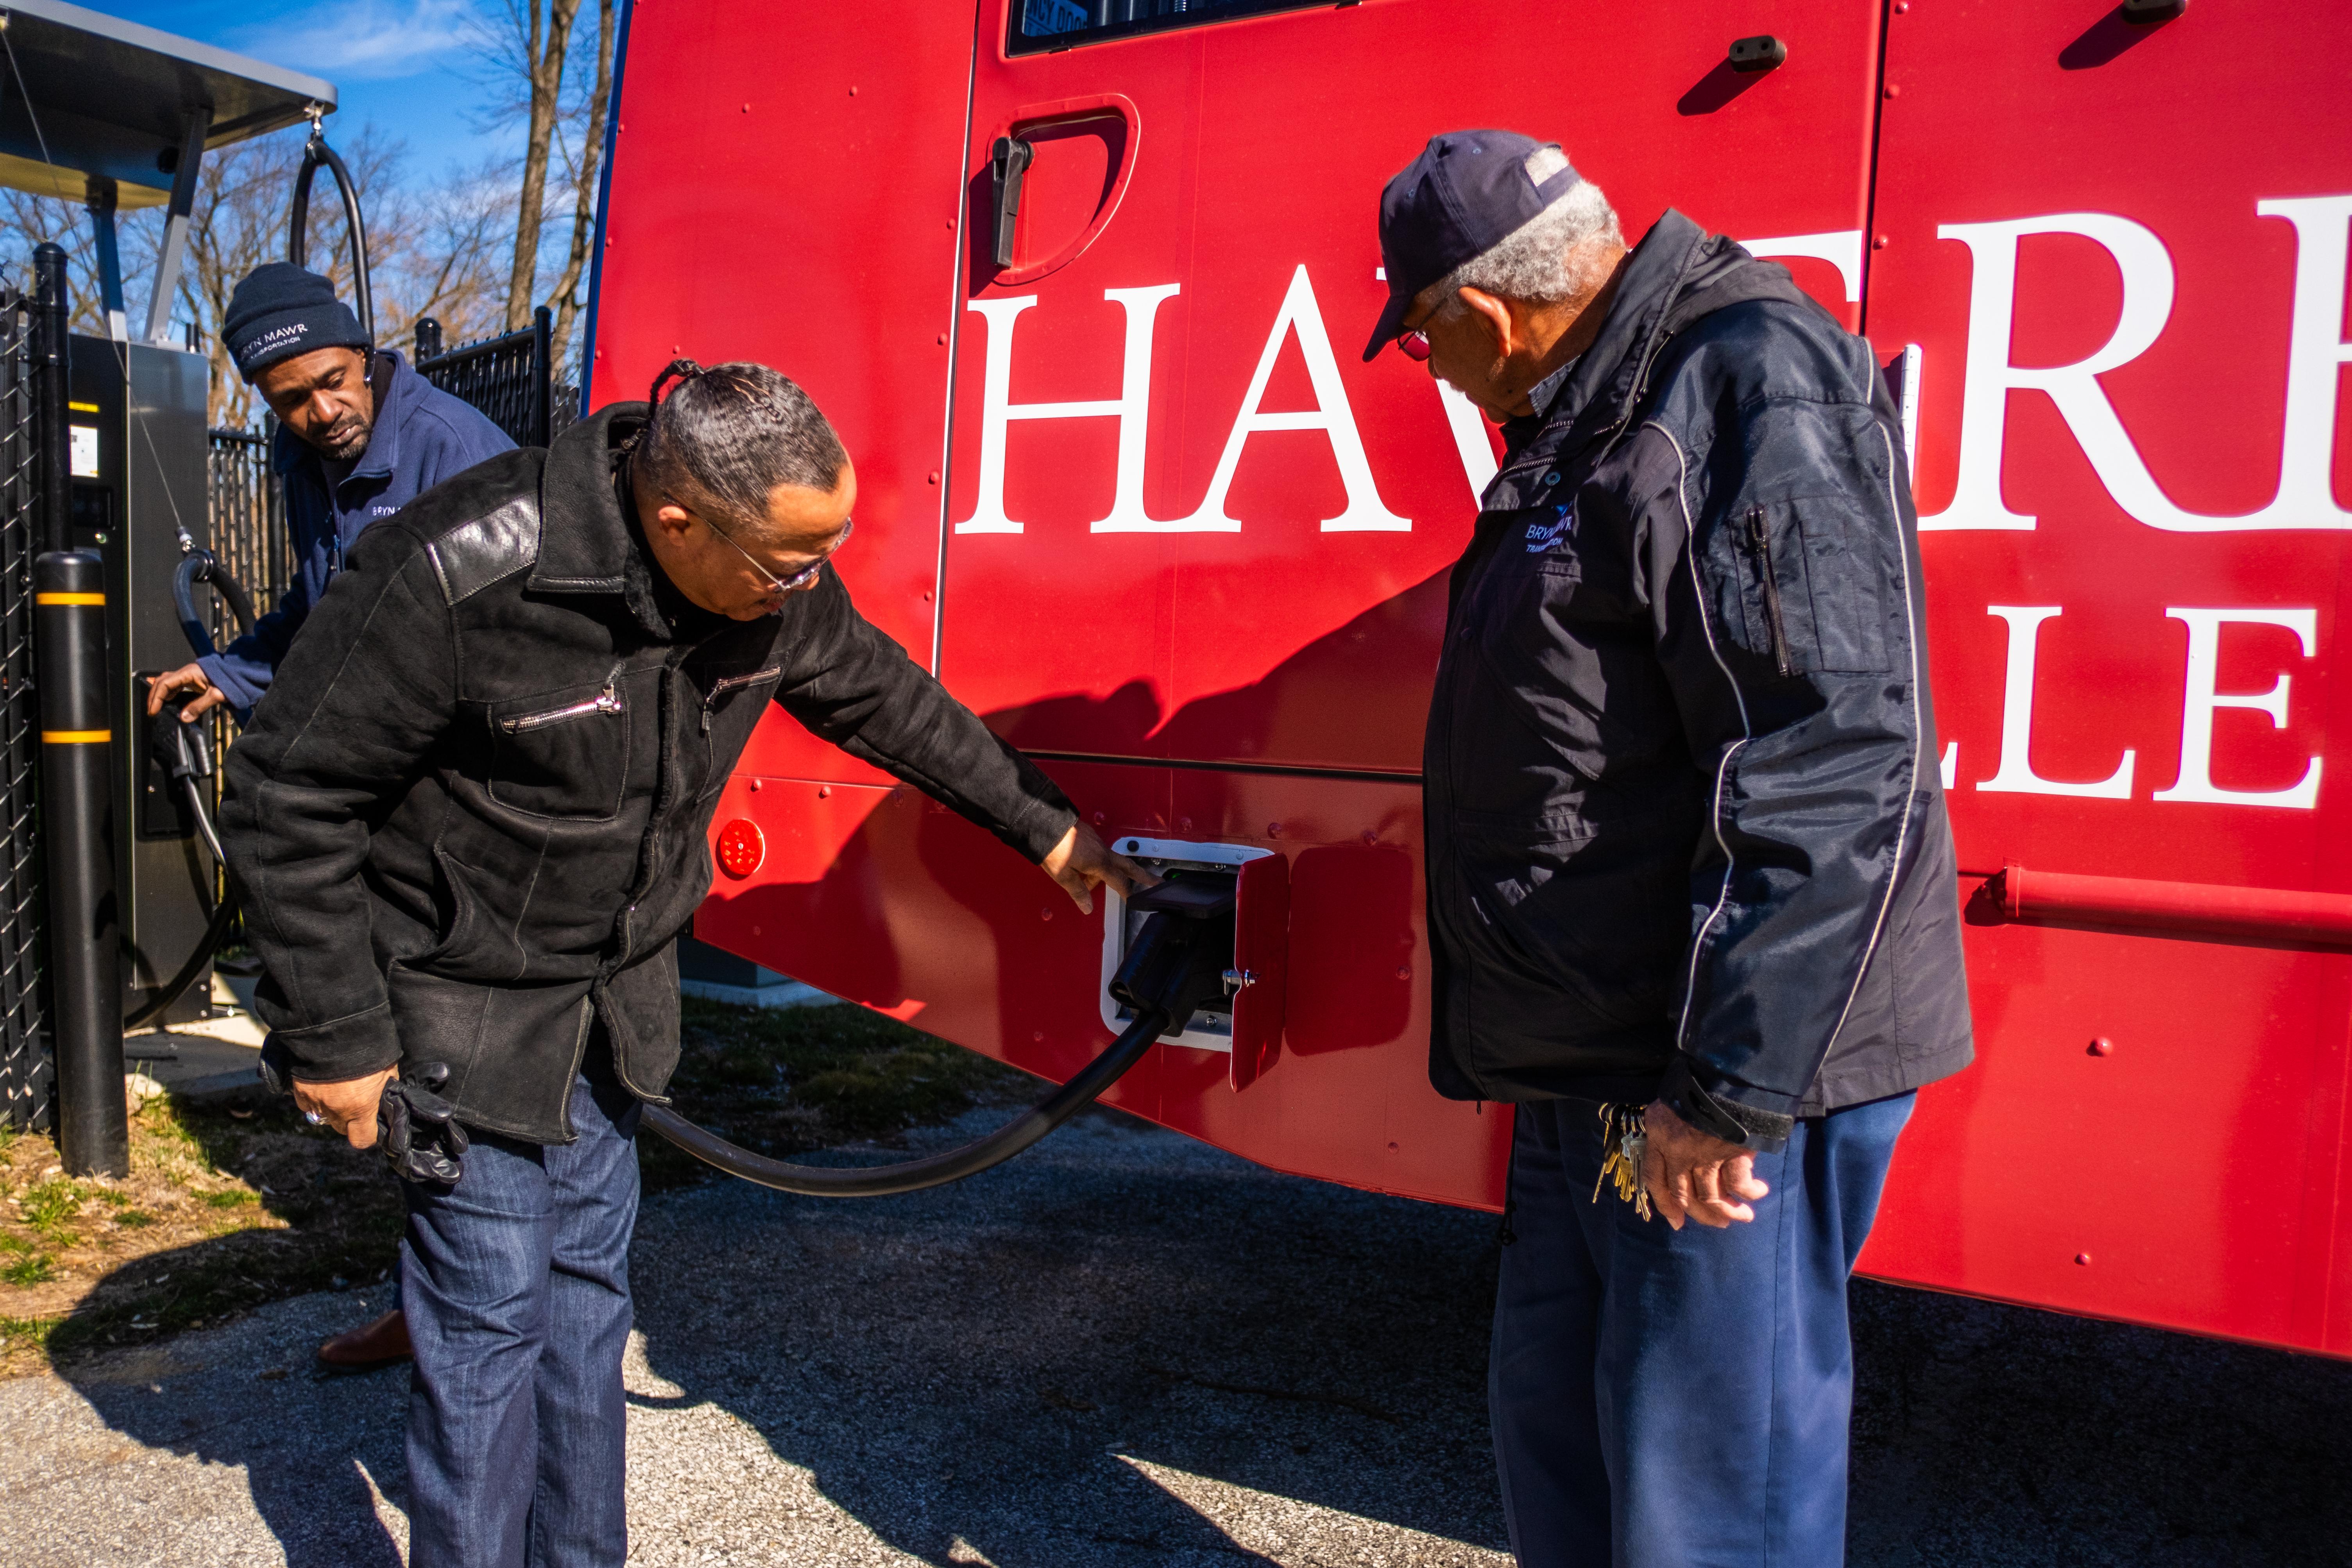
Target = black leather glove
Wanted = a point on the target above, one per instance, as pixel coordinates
(417, 1130)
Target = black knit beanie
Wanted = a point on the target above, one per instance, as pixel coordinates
(281, 310)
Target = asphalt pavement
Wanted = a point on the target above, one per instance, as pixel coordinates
(1126, 1349)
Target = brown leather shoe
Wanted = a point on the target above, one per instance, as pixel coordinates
(375, 1345)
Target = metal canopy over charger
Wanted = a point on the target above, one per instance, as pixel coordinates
(121, 115)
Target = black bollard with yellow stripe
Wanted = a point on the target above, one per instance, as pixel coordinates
(77, 835)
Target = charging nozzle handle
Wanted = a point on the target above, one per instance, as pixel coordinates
(938, 1170)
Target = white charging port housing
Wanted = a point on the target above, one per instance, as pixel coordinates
(1209, 1030)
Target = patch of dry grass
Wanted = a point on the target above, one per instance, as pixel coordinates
(223, 1210)
(227, 1209)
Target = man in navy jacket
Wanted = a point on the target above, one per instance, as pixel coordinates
(360, 435)
(1691, 888)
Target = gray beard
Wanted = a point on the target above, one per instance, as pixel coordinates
(350, 444)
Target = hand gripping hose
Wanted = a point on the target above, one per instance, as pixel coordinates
(1177, 962)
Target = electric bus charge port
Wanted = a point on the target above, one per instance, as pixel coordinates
(1246, 1020)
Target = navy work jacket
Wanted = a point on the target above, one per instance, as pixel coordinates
(422, 436)
(1684, 824)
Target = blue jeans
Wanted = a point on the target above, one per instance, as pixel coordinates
(1680, 1399)
(516, 1283)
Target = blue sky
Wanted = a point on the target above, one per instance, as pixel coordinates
(409, 66)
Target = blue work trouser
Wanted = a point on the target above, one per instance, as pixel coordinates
(1679, 1399)
(516, 1283)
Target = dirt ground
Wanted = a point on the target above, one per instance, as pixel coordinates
(227, 1208)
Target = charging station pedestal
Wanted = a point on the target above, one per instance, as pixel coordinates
(137, 443)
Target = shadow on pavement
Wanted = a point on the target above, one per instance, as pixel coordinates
(1034, 1364)
(307, 1460)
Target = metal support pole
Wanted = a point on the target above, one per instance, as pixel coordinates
(428, 339)
(542, 376)
(197, 126)
(51, 347)
(78, 839)
(100, 197)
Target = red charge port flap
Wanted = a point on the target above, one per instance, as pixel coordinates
(1262, 957)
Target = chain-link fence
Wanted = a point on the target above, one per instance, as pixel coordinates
(510, 378)
(28, 1065)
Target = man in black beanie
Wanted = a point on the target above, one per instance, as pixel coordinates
(360, 435)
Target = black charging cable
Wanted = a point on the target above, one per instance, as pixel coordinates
(184, 752)
(1176, 964)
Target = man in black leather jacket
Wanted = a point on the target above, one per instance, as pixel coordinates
(1691, 885)
(469, 821)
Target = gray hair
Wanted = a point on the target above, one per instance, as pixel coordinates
(1547, 259)
(729, 435)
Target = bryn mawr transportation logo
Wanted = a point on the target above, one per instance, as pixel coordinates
(1552, 537)
(271, 339)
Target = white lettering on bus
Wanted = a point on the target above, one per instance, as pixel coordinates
(2200, 700)
(2196, 781)
(1840, 248)
(1364, 511)
(2016, 774)
(2315, 351)
(1131, 407)
(1469, 425)
(1300, 315)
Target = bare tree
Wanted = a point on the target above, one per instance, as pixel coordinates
(433, 251)
(32, 220)
(538, 45)
(553, 79)
(581, 161)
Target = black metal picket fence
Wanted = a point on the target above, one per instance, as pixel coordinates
(248, 521)
(510, 378)
(248, 516)
(27, 1066)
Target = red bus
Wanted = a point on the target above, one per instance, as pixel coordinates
(1125, 486)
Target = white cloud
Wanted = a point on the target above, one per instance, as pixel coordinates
(362, 40)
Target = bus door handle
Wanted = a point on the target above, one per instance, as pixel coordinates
(1007, 163)
(1011, 153)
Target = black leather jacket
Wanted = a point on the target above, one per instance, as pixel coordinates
(470, 817)
(1685, 830)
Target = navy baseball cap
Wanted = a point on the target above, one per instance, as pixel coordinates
(1467, 192)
